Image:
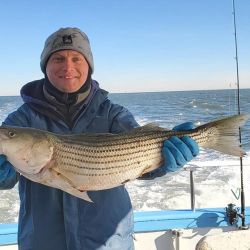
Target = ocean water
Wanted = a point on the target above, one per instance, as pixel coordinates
(216, 176)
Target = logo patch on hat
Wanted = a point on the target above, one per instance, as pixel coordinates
(67, 39)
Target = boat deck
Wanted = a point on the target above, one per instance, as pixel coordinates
(177, 229)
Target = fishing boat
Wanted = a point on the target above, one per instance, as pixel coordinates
(208, 228)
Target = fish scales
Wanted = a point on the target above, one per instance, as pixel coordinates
(108, 156)
(77, 163)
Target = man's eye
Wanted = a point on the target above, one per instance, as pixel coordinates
(76, 59)
(57, 59)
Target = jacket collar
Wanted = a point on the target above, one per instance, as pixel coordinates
(33, 95)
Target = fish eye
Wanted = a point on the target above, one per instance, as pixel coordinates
(11, 134)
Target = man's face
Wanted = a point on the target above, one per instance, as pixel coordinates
(67, 70)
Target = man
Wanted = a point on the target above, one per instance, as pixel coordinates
(68, 101)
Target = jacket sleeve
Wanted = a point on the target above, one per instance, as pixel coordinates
(17, 118)
(123, 120)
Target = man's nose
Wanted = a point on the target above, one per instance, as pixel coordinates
(68, 64)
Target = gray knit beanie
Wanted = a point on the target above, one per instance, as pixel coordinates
(67, 38)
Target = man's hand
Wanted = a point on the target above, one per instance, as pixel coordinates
(176, 152)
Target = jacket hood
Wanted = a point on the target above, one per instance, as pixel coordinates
(33, 91)
(32, 94)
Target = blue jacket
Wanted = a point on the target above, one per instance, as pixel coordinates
(51, 219)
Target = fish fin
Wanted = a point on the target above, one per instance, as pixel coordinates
(151, 125)
(223, 135)
(53, 178)
(67, 186)
(152, 167)
(84, 195)
(148, 127)
(154, 126)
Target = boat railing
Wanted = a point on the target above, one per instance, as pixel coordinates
(191, 168)
(192, 190)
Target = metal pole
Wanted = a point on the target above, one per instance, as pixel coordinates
(192, 194)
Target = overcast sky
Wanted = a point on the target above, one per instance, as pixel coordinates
(138, 45)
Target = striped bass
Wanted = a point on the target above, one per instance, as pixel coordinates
(83, 162)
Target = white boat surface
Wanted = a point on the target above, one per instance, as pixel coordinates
(202, 229)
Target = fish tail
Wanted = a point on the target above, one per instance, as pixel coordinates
(223, 135)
